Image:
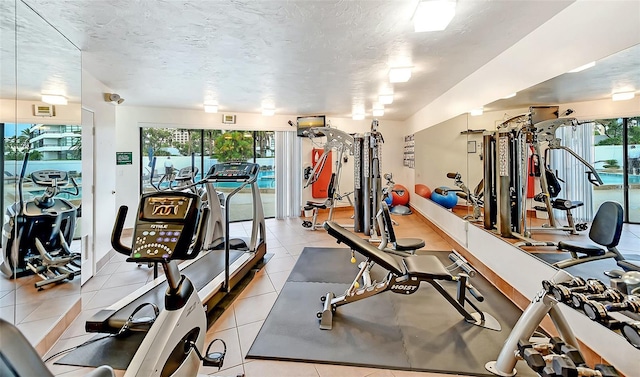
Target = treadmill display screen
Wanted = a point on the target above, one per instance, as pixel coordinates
(165, 208)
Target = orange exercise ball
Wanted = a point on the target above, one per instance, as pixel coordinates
(401, 197)
(423, 190)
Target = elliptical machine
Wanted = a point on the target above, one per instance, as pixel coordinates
(166, 225)
(36, 237)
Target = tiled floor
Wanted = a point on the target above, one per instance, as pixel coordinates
(239, 325)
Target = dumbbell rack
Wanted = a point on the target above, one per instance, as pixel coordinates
(560, 356)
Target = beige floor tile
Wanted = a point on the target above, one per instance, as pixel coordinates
(226, 320)
(95, 283)
(260, 285)
(53, 308)
(247, 335)
(109, 296)
(278, 279)
(253, 309)
(130, 277)
(280, 264)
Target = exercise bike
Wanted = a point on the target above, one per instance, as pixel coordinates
(37, 235)
(166, 225)
(463, 192)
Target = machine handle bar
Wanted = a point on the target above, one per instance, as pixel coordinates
(462, 263)
(474, 292)
(116, 235)
(452, 175)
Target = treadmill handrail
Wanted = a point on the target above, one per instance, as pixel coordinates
(116, 234)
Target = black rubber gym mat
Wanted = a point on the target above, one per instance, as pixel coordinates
(420, 332)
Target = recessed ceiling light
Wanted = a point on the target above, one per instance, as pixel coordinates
(622, 96)
(210, 107)
(476, 112)
(509, 96)
(385, 99)
(268, 112)
(400, 74)
(54, 99)
(433, 15)
(583, 67)
(378, 112)
(357, 116)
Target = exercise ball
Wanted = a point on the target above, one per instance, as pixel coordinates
(423, 190)
(401, 197)
(447, 201)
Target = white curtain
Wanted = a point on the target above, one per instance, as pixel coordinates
(288, 174)
(576, 186)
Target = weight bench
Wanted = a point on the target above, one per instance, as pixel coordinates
(399, 246)
(404, 277)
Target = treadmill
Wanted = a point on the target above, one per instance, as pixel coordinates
(214, 272)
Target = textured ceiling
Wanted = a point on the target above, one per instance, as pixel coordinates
(303, 57)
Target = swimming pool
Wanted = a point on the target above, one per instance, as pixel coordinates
(616, 179)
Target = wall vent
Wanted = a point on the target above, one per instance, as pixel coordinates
(228, 119)
(44, 110)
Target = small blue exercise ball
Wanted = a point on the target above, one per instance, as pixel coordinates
(447, 201)
(388, 199)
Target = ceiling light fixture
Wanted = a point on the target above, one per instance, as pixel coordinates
(210, 107)
(433, 15)
(385, 99)
(623, 96)
(476, 112)
(54, 99)
(357, 116)
(399, 74)
(509, 96)
(583, 67)
(378, 112)
(268, 112)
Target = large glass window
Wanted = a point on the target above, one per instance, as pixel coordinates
(617, 159)
(175, 148)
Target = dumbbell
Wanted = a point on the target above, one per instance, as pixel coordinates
(598, 311)
(610, 294)
(631, 331)
(575, 282)
(560, 347)
(563, 293)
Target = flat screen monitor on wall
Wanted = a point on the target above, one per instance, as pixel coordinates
(305, 123)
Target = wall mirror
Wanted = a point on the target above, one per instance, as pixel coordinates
(37, 60)
(607, 138)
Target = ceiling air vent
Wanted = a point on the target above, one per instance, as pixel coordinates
(44, 110)
(228, 119)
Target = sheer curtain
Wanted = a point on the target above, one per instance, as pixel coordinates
(576, 186)
(288, 174)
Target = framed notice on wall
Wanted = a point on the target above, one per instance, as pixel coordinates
(409, 155)
(124, 158)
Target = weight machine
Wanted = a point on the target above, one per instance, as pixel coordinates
(343, 144)
(506, 155)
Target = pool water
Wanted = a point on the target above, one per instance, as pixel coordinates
(616, 179)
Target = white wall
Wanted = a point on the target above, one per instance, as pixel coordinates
(104, 165)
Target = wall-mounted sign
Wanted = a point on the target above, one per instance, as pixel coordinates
(124, 158)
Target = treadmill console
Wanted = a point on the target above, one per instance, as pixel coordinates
(166, 225)
(186, 174)
(234, 171)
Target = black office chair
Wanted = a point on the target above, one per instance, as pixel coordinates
(18, 358)
(605, 233)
